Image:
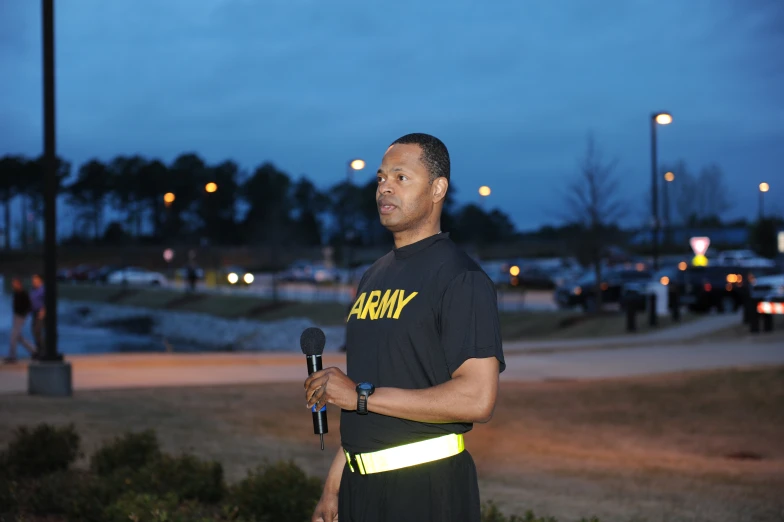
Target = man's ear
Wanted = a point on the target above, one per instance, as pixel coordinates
(440, 186)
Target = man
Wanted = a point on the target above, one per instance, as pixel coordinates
(21, 307)
(423, 350)
(37, 301)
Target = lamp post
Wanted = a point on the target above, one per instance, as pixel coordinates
(351, 167)
(763, 188)
(668, 178)
(50, 186)
(657, 118)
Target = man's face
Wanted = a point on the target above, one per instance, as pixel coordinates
(16, 285)
(405, 196)
(37, 281)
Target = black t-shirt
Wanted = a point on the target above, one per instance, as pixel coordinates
(21, 303)
(420, 312)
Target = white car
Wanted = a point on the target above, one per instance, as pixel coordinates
(136, 276)
(768, 288)
(745, 258)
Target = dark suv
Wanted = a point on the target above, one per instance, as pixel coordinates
(583, 291)
(720, 287)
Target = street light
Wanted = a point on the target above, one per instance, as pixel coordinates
(657, 118)
(168, 198)
(211, 187)
(763, 188)
(484, 191)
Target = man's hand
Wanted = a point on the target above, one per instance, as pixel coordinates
(41, 313)
(332, 386)
(327, 508)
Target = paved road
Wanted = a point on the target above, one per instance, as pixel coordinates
(108, 371)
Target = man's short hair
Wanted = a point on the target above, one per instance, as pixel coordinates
(435, 156)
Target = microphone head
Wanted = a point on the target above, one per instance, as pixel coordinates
(312, 341)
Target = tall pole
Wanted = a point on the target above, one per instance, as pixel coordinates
(50, 187)
(762, 206)
(654, 196)
(666, 214)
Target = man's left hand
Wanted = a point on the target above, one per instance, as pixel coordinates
(332, 386)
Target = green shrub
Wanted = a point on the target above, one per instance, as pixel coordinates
(145, 507)
(77, 495)
(8, 494)
(142, 507)
(185, 476)
(281, 491)
(42, 450)
(132, 451)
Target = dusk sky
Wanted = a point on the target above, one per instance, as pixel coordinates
(512, 87)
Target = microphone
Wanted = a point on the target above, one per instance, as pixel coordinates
(312, 342)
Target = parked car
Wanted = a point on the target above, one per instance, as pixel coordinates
(744, 258)
(719, 287)
(310, 272)
(583, 292)
(768, 288)
(136, 276)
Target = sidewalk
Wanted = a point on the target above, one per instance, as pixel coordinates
(679, 334)
(106, 371)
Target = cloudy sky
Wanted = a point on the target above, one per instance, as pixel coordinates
(511, 86)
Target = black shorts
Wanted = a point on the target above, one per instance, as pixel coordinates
(445, 490)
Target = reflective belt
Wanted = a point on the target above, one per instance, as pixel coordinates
(406, 455)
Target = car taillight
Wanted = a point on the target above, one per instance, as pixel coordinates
(707, 287)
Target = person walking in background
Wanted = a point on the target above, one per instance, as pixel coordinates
(38, 306)
(21, 308)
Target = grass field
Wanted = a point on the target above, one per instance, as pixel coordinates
(705, 446)
(526, 325)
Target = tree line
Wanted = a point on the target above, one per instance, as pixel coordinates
(136, 199)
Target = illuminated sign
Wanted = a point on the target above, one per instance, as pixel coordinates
(699, 245)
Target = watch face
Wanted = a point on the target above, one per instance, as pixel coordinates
(365, 386)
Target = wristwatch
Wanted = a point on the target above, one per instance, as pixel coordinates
(364, 390)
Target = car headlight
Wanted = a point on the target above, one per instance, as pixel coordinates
(233, 278)
(248, 278)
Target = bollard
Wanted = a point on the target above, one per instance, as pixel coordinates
(767, 322)
(675, 305)
(747, 304)
(754, 317)
(631, 316)
(652, 309)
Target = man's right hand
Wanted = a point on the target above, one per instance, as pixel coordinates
(327, 508)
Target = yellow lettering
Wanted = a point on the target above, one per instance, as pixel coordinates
(387, 305)
(371, 304)
(403, 302)
(357, 308)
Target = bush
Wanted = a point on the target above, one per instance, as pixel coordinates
(186, 476)
(278, 492)
(77, 495)
(132, 451)
(42, 450)
(145, 507)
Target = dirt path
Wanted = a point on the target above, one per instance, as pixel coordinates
(691, 447)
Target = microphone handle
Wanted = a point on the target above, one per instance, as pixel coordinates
(320, 426)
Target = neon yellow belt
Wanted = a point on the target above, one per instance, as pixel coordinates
(406, 455)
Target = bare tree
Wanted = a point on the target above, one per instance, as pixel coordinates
(714, 195)
(592, 201)
(697, 198)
